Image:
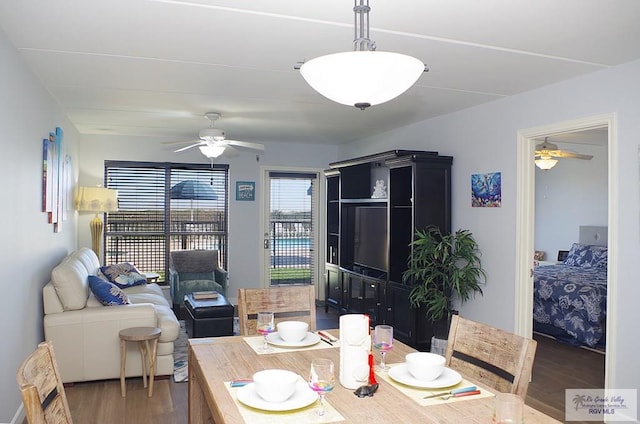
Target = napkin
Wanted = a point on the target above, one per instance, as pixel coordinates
(355, 346)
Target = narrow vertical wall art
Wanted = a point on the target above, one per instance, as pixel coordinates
(56, 169)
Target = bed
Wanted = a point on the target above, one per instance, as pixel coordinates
(570, 298)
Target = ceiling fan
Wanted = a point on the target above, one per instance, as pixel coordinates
(546, 153)
(214, 142)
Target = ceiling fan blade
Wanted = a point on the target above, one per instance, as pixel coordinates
(181, 142)
(182, 149)
(245, 144)
(570, 155)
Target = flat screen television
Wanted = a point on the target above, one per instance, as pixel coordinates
(370, 237)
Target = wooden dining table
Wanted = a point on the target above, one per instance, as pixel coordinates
(215, 362)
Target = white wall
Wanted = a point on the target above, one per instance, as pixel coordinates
(572, 193)
(29, 248)
(245, 238)
(483, 139)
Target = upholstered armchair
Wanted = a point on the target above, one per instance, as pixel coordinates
(195, 270)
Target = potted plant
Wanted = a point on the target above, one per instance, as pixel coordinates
(443, 267)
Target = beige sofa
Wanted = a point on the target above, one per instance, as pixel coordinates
(85, 333)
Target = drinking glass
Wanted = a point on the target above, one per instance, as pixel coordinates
(383, 341)
(322, 380)
(507, 409)
(265, 325)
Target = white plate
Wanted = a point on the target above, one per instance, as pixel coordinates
(309, 340)
(448, 378)
(303, 396)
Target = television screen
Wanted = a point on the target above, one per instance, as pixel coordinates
(370, 237)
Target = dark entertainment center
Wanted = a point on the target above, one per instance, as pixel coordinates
(368, 238)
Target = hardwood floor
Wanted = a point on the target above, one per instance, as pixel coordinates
(556, 368)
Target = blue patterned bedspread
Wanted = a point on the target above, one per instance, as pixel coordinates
(573, 299)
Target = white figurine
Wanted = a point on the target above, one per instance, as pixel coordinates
(379, 190)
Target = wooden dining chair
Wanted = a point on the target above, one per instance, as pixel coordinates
(497, 358)
(296, 303)
(43, 396)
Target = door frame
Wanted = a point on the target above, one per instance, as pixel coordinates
(318, 223)
(525, 222)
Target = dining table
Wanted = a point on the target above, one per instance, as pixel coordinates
(220, 368)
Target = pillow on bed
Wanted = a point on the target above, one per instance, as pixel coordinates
(586, 256)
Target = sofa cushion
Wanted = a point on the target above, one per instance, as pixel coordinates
(106, 292)
(70, 281)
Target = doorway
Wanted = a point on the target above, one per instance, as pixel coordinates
(525, 236)
(290, 222)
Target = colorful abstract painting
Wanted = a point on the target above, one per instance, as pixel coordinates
(486, 190)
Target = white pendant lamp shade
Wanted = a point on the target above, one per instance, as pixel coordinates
(211, 151)
(362, 78)
(546, 163)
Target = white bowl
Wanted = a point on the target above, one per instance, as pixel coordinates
(425, 366)
(275, 385)
(292, 331)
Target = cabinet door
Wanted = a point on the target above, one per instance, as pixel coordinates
(399, 313)
(334, 289)
(354, 290)
(373, 300)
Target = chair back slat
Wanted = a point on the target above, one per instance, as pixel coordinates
(495, 357)
(295, 303)
(41, 387)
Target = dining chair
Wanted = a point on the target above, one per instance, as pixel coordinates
(43, 395)
(491, 356)
(297, 303)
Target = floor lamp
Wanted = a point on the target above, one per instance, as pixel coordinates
(98, 200)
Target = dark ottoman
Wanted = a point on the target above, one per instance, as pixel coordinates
(208, 317)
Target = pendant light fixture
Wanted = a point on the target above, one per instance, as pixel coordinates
(363, 77)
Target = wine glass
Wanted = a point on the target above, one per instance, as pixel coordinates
(265, 325)
(321, 380)
(383, 341)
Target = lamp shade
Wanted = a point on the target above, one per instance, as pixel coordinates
(211, 151)
(96, 199)
(546, 164)
(362, 78)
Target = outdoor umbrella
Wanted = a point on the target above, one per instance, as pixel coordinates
(193, 190)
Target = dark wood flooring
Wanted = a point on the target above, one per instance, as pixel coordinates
(556, 368)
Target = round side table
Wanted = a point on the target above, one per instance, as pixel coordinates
(147, 338)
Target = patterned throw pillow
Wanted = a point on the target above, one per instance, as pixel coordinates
(587, 256)
(123, 275)
(107, 293)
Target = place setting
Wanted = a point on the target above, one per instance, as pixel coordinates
(284, 396)
(424, 378)
(287, 335)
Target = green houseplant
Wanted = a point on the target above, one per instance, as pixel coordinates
(443, 267)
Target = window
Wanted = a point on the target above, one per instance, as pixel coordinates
(164, 207)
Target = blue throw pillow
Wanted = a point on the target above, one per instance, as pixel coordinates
(587, 256)
(123, 275)
(107, 293)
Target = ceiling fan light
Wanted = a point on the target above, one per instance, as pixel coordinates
(546, 164)
(211, 151)
(365, 78)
